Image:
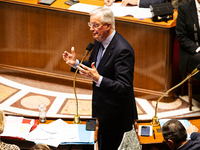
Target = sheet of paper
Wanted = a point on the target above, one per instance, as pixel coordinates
(55, 126)
(38, 135)
(82, 7)
(135, 11)
(118, 10)
(13, 119)
(58, 131)
(84, 135)
(16, 130)
(185, 122)
(143, 13)
(69, 134)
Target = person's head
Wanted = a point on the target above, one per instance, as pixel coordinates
(102, 23)
(40, 146)
(174, 133)
(2, 121)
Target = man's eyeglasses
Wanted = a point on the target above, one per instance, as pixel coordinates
(95, 25)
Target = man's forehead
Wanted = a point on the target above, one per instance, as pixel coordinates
(95, 17)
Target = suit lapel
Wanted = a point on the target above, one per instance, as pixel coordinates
(108, 53)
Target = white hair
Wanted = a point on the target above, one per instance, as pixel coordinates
(107, 15)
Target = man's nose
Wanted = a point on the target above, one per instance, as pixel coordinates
(91, 28)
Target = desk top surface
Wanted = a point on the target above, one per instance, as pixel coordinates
(70, 121)
(158, 135)
(60, 6)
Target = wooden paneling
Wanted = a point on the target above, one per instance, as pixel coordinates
(33, 39)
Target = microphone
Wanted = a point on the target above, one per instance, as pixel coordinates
(88, 49)
(155, 121)
(76, 116)
(198, 67)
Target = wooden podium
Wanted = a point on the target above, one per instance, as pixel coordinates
(34, 37)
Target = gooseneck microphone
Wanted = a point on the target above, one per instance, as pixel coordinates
(155, 121)
(76, 116)
(88, 49)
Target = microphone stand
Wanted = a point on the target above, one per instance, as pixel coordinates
(76, 116)
(155, 121)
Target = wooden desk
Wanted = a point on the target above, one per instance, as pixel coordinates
(157, 143)
(23, 144)
(33, 38)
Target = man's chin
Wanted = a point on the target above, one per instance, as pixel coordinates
(96, 38)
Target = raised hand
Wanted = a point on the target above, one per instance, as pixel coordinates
(70, 58)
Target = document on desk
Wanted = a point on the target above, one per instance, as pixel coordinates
(135, 11)
(185, 122)
(118, 10)
(59, 132)
(14, 127)
(17, 130)
(83, 7)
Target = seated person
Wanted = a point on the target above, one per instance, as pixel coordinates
(2, 125)
(187, 31)
(140, 3)
(175, 135)
(40, 146)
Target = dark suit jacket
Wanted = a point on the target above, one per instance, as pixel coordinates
(187, 18)
(113, 103)
(193, 144)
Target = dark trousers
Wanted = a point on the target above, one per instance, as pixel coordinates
(193, 62)
(109, 141)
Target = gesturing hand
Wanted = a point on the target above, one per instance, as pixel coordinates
(108, 2)
(70, 58)
(126, 2)
(191, 128)
(90, 73)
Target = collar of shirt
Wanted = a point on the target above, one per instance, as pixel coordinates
(107, 41)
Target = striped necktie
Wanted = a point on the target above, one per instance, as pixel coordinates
(99, 54)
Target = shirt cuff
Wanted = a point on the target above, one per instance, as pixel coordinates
(198, 49)
(99, 81)
(76, 64)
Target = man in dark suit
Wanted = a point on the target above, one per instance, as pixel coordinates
(175, 135)
(113, 101)
(188, 35)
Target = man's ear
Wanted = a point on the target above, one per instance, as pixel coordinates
(108, 26)
(170, 143)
